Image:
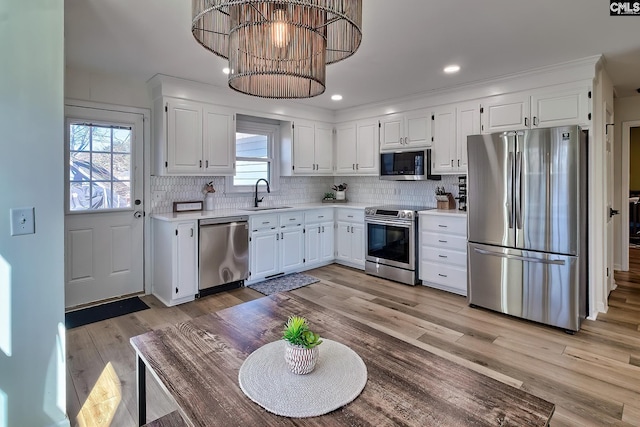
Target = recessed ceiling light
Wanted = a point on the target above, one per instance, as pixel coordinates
(450, 69)
(226, 70)
(336, 97)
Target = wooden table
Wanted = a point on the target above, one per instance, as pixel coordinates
(197, 363)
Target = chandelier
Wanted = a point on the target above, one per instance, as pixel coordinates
(278, 48)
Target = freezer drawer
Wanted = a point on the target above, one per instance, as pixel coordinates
(532, 285)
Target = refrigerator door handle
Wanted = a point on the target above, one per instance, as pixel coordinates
(518, 191)
(521, 258)
(510, 188)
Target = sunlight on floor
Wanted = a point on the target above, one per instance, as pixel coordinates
(5, 306)
(103, 401)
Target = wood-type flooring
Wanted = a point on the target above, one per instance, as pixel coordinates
(593, 377)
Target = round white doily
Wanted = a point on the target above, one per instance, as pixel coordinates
(339, 377)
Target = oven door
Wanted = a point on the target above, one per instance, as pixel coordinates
(390, 242)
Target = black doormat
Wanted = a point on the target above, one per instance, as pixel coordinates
(73, 319)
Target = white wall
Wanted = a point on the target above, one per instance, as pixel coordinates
(626, 109)
(32, 353)
(87, 85)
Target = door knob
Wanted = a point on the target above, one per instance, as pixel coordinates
(137, 214)
(613, 212)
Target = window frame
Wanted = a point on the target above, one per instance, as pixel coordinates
(272, 131)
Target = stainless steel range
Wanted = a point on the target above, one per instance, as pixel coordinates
(391, 242)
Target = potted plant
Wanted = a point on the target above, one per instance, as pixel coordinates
(329, 197)
(301, 351)
(340, 191)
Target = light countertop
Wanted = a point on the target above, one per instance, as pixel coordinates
(221, 213)
(452, 212)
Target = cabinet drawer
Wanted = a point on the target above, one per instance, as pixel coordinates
(291, 219)
(444, 256)
(318, 215)
(444, 224)
(351, 215)
(263, 222)
(445, 275)
(443, 240)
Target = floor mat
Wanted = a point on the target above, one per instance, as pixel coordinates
(283, 283)
(73, 319)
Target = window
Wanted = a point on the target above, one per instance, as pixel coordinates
(256, 155)
(100, 164)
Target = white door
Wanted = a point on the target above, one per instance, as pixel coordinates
(263, 255)
(611, 283)
(326, 241)
(292, 249)
(303, 147)
(345, 152)
(367, 148)
(104, 207)
(323, 148)
(357, 244)
(313, 243)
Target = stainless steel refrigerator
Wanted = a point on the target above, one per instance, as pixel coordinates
(527, 220)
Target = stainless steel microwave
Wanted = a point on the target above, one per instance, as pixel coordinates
(407, 166)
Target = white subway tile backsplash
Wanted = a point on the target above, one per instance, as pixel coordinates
(368, 190)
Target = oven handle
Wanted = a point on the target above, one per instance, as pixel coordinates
(402, 224)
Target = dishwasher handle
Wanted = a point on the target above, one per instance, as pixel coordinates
(224, 220)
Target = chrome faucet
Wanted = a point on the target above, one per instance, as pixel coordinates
(256, 200)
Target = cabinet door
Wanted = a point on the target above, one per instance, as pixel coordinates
(219, 142)
(264, 253)
(345, 151)
(303, 147)
(313, 244)
(186, 261)
(418, 129)
(560, 108)
(291, 249)
(392, 132)
(326, 241)
(444, 139)
(505, 112)
(357, 244)
(323, 149)
(368, 153)
(343, 241)
(184, 137)
(468, 123)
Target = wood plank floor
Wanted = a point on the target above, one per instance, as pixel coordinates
(593, 377)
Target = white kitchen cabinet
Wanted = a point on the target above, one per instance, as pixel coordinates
(312, 149)
(405, 130)
(356, 149)
(175, 261)
(319, 237)
(443, 250)
(548, 107)
(192, 138)
(276, 245)
(350, 238)
(451, 126)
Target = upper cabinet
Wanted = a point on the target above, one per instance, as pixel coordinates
(356, 150)
(451, 126)
(405, 130)
(310, 149)
(536, 109)
(192, 138)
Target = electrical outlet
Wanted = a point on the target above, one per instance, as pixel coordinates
(22, 221)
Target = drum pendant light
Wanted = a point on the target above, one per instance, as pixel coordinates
(279, 48)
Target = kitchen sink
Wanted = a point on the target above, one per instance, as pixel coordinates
(264, 208)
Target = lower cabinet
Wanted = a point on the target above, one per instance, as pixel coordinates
(319, 237)
(443, 250)
(276, 245)
(350, 238)
(175, 261)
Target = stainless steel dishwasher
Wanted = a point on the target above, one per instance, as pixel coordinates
(223, 251)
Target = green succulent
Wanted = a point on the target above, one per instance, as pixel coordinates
(297, 332)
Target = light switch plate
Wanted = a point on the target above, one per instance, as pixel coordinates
(23, 221)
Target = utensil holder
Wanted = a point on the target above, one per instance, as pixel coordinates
(445, 201)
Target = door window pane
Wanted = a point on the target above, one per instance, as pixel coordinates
(100, 165)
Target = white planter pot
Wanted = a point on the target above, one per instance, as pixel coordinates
(300, 360)
(341, 195)
(209, 202)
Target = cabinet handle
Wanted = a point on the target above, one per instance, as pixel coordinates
(192, 232)
(442, 275)
(353, 166)
(526, 121)
(320, 216)
(323, 228)
(443, 256)
(535, 121)
(318, 229)
(266, 222)
(406, 140)
(349, 216)
(206, 163)
(277, 236)
(442, 226)
(400, 141)
(442, 241)
(357, 166)
(281, 236)
(352, 228)
(451, 162)
(458, 162)
(200, 163)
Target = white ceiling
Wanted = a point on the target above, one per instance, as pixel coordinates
(406, 43)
